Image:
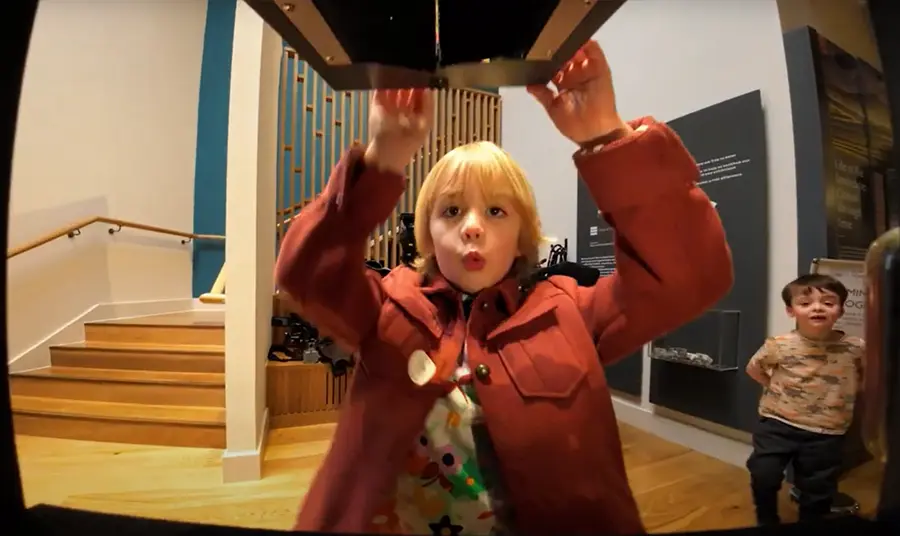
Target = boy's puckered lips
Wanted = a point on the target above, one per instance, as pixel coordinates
(473, 261)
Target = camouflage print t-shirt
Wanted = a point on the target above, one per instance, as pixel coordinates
(813, 383)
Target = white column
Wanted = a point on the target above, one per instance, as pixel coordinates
(250, 240)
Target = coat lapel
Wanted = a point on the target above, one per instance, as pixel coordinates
(411, 293)
(404, 287)
(537, 304)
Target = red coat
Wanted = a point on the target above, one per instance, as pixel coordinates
(538, 352)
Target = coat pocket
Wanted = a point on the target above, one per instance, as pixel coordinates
(543, 365)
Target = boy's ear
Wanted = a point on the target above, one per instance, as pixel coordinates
(790, 311)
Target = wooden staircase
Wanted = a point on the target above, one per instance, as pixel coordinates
(155, 380)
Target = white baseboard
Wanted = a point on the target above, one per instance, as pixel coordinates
(246, 465)
(715, 445)
(38, 356)
(200, 306)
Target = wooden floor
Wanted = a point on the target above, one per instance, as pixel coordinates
(676, 488)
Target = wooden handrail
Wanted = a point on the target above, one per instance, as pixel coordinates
(210, 297)
(296, 207)
(74, 230)
(372, 242)
(217, 293)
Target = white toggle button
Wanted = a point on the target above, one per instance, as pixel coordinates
(420, 368)
(458, 400)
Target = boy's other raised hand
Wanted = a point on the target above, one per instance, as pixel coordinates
(399, 123)
(582, 103)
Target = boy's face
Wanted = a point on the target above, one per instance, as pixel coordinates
(476, 240)
(815, 311)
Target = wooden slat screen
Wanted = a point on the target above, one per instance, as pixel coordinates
(317, 124)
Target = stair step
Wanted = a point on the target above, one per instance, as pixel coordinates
(190, 328)
(136, 356)
(118, 411)
(119, 422)
(122, 385)
(132, 376)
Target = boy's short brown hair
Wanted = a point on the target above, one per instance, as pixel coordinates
(806, 283)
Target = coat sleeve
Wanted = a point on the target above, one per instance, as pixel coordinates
(321, 262)
(672, 259)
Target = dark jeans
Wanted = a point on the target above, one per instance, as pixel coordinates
(817, 465)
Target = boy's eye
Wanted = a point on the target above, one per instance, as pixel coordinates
(451, 211)
(496, 211)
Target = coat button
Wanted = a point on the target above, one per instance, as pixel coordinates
(482, 372)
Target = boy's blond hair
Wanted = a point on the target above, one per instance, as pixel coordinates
(483, 165)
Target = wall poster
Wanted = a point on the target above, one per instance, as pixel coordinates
(843, 139)
(595, 235)
(698, 369)
(857, 144)
(853, 275)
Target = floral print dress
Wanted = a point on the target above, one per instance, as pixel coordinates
(446, 488)
(449, 486)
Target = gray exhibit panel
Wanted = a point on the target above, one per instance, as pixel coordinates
(626, 375)
(698, 369)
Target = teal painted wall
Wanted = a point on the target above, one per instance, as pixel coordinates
(212, 142)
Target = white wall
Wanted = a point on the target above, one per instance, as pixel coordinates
(250, 250)
(670, 58)
(107, 127)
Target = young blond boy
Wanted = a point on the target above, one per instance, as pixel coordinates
(480, 405)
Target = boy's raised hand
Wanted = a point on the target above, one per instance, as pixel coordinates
(399, 123)
(582, 103)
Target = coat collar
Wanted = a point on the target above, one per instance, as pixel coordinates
(509, 290)
(414, 293)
